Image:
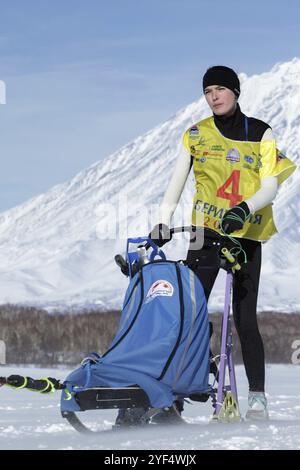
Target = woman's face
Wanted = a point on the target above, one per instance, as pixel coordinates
(220, 99)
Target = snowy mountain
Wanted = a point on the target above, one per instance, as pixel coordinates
(52, 250)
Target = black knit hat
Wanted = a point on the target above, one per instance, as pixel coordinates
(224, 76)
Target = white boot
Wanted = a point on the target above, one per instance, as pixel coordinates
(257, 406)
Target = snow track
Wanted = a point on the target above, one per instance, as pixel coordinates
(30, 420)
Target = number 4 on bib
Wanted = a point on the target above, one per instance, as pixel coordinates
(234, 197)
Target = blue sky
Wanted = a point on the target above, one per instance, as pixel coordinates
(84, 78)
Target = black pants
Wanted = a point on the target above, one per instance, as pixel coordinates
(244, 297)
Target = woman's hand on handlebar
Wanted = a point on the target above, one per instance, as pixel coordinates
(160, 234)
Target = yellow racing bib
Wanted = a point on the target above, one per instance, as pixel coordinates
(229, 171)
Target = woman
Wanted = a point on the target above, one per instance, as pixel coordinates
(237, 171)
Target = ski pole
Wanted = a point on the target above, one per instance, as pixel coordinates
(43, 385)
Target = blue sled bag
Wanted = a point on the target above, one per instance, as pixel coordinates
(162, 342)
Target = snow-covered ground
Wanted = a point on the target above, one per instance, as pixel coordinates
(32, 421)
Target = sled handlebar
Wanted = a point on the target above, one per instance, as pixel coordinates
(228, 260)
(173, 230)
(231, 262)
(209, 233)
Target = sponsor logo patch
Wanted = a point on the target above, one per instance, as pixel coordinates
(233, 156)
(202, 141)
(259, 163)
(160, 288)
(248, 159)
(194, 131)
(218, 148)
(280, 156)
(213, 154)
